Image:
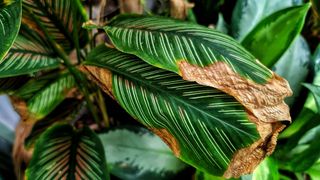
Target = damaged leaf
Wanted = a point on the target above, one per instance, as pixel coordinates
(206, 56)
(203, 126)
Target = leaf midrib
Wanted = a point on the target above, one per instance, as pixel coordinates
(127, 75)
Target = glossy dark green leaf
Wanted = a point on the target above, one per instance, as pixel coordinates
(133, 151)
(10, 19)
(269, 40)
(57, 17)
(248, 13)
(294, 67)
(314, 171)
(30, 53)
(205, 126)
(49, 97)
(62, 152)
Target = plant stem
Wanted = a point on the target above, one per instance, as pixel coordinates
(103, 108)
(77, 75)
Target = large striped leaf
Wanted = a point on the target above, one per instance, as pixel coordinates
(132, 152)
(206, 56)
(30, 53)
(269, 40)
(203, 126)
(61, 18)
(43, 102)
(64, 153)
(10, 19)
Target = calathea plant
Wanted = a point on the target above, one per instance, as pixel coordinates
(207, 96)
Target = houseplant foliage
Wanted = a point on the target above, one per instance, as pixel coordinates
(108, 97)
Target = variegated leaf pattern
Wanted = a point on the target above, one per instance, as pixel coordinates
(64, 153)
(46, 99)
(30, 53)
(57, 17)
(164, 42)
(206, 56)
(202, 125)
(10, 19)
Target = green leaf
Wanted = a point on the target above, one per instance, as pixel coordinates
(203, 126)
(314, 171)
(294, 66)
(205, 176)
(136, 153)
(307, 152)
(163, 42)
(269, 40)
(42, 103)
(30, 53)
(222, 26)
(57, 18)
(10, 19)
(315, 92)
(266, 170)
(248, 13)
(203, 55)
(64, 153)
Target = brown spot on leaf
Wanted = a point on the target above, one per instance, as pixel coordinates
(101, 76)
(247, 159)
(265, 101)
(171, 141)
(179, 8)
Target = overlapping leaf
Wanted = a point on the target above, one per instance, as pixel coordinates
(49, 97)
(206, 56)
(248, 13)
(30, 53)
(139, 149)
(202, 125)
(10, 19)
(61, 18)
(63, 153)
(8, 85)
(269, 40)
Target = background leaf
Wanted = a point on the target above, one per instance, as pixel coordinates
(136, 153)
(248, 13)
(269, 40)
(62, 152)
(267, 169)
(294, 67)
(10, 19)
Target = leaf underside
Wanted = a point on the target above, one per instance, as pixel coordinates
(63, 153)
(202, 125)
